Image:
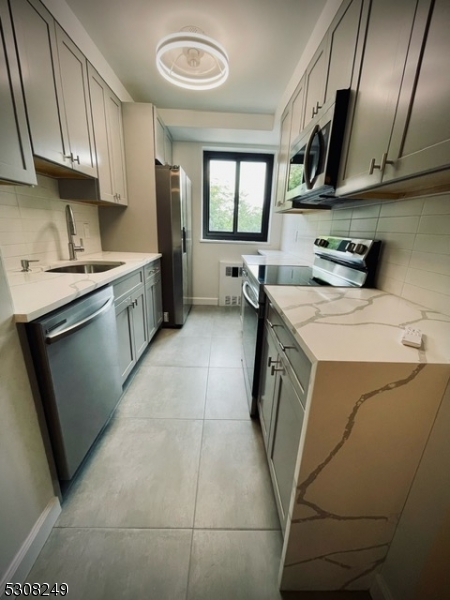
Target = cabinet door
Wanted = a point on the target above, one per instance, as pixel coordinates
(283, 158)
(157, 302)
(36, 41)
(159, 140)
(150, 310)
(139, 322)
(297, 111)
(374, 104)
(127, 358)
(16, 160)
(167, 147)
(286, 428)
(421, 135)
(315, 82)
(269, 359)
(115, 130)
(98, 94)
(342, 38)
(74, 80)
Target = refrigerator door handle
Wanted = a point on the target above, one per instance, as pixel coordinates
(183, 231)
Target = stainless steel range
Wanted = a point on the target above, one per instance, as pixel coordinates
(338, 261)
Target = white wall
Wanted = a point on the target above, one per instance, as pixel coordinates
(25, 483)
(33, 225)
(415, 260)
(206, 255)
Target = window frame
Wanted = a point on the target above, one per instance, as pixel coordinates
(238, 157)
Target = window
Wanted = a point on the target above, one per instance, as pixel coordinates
(236, 196)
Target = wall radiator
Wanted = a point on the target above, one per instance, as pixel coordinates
(230, 278)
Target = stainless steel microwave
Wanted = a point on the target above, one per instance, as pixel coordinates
(315, 157)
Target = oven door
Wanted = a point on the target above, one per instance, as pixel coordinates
(250, 327)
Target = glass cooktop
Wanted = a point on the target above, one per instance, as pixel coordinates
(284, 275)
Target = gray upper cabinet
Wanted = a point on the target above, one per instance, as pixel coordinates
(163, 141)
(74, 79)
(297, 110)
(283, 159)
(16, 160)
(315, 82)
(421, 134)
(54, 76)
(109, 147)
(372, 111)
(342, 41)
(36, 40)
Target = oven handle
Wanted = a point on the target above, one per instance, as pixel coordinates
(247, 297)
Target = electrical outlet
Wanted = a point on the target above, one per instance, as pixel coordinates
(87, 232)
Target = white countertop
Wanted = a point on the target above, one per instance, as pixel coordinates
(38, 292)
(343, 324)
(274, 257)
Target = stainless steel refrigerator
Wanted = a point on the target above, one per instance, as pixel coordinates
(173, 198)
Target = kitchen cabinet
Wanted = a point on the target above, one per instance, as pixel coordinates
(163, 141)
(129, 298)
(109, 147)
(16, 161)
(153, 297)
(283, 159)
(297, 112)
(54, 76)
(374, 102)
(315, 77)
(342, 38)
(284, 382)
(420, 139)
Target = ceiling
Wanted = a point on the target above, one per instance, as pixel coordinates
(264, 40)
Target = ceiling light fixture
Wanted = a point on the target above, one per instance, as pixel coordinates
(192, 60)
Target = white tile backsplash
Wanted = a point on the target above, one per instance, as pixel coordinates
(33, 225)
(415, 260)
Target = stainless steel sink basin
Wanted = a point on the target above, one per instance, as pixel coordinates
(86, 267)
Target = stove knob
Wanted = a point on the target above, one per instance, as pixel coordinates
(317, 242)
(360, 248)
(350, 247)
(324, 243)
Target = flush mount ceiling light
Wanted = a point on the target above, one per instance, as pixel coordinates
(192, 60)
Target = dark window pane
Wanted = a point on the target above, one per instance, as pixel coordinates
(222, 181)
(251, 196)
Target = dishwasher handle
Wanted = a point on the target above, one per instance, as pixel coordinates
(247, 297)
(55, 337)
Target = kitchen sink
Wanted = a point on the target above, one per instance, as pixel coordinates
(86, 267)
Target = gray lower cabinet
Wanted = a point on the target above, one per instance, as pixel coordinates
(16, 160)
(129, 295)
(153, 297)
(283, 387)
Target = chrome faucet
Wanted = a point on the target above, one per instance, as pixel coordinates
(71, 231)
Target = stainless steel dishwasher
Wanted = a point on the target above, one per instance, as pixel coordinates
(75, 356)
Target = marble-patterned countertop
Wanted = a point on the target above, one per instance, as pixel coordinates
(38, 292)
(273, 257)
(360, 325)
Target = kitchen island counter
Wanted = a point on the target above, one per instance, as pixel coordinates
(370, 406)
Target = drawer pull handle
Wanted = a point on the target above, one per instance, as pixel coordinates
(273, 362)
(284, 348)
(273, 370)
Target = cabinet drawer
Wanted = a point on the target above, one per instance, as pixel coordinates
(290, 350)
(152, 272)
(128, 284)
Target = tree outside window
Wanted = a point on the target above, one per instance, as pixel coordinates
(236, 198)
